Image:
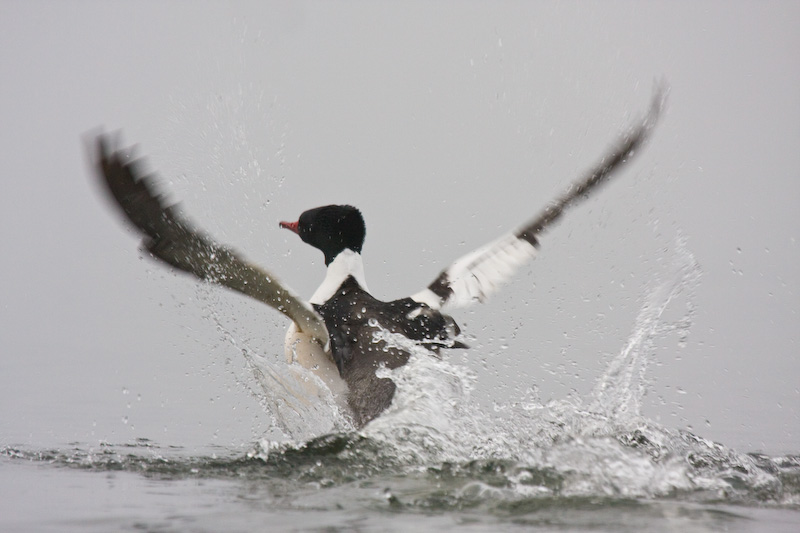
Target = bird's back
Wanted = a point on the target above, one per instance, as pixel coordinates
(367, 334)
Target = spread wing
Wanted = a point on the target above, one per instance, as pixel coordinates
(172, 238)
(475, 276)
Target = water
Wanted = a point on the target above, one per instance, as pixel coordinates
(436, 460)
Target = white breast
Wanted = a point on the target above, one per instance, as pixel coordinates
(301, 349)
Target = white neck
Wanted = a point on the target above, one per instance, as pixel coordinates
(347, 263)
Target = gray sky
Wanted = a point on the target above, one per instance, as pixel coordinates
(447, 123)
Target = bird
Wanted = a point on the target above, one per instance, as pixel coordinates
(343, 333)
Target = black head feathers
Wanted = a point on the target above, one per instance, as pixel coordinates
(331, 229)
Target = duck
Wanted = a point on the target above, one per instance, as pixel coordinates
(342, 333)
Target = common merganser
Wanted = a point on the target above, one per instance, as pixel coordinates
(336, 333)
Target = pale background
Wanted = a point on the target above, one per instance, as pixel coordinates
(447, 123)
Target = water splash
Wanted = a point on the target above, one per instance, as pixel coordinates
(597, 446)
(299, 403)
(618, 394)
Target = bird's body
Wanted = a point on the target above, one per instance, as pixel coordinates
(360, 326)
(343, 333)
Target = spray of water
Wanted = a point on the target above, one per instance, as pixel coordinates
(598, 445)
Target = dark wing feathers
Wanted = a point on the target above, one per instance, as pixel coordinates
(581, 189)
(172, 238)
(478, 274)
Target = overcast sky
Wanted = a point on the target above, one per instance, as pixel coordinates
(447, 123)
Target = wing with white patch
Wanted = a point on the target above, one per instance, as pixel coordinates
(475, 276)
(172, 238)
